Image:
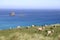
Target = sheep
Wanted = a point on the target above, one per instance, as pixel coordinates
(46, 25)
(33, 25)
(50, 32)
(18, 27)
(40, 29)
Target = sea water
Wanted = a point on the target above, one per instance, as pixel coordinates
(28, 17)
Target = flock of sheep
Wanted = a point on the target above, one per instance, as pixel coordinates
(49, 32)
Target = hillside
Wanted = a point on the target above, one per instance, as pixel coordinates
(31, 33)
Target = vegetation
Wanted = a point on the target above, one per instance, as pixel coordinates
(31, 33)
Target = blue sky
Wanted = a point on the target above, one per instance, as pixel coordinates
(29, 4)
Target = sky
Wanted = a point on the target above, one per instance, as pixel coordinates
(29, 4)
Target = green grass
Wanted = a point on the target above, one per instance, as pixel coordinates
(29, 34)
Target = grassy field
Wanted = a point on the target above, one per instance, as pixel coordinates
(30, 33)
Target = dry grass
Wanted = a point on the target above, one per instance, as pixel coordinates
(29, 34)
(21, 36)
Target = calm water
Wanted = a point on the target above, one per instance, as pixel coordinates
(28, 17)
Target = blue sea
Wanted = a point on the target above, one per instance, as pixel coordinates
(28, 17)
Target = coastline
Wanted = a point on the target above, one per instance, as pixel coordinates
(57, 24)
(31, 33)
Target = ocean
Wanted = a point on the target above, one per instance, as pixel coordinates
(28, 17)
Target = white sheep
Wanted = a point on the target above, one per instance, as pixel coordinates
(50, 32)
(33, 25)
(18, 26)
(40, 29)
(46, 25)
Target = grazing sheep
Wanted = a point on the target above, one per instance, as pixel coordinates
(50, 32)
(33, 25)
(18, 27)
(40, 29)
(46, 25)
